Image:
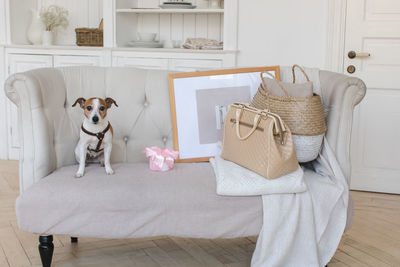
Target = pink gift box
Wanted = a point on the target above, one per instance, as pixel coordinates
(161, 160)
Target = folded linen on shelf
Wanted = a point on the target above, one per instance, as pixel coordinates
(234, 180)
(203, 43)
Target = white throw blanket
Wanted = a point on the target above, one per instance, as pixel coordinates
(234, 180)
(299, 229)
(304, 229)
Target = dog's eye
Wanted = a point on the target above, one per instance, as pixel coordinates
(102, 108)
(89, 108)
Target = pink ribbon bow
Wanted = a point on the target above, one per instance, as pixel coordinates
(161, 159)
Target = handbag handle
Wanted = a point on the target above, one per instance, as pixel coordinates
(264, 84)
(279, 127)
(302, 70)
(257, 118)
(264, 112)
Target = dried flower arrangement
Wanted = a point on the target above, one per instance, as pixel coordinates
(54, 17)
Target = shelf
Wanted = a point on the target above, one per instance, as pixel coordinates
(168, 11)
(64, 48)
(55, 47)
(173, 50)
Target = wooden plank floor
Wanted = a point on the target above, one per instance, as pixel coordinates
(374, 239)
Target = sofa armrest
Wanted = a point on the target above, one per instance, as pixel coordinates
(37, 155)
(341, 94)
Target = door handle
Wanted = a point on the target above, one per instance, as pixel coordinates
(353, 54)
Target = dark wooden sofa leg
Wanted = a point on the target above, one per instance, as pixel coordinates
(74, 239)
(46, 249)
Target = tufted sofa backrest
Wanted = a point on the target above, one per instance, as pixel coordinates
(142, 118)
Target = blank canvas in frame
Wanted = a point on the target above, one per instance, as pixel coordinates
(199, 101)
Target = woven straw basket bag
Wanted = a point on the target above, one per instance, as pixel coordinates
(258, 140)
(303, 115)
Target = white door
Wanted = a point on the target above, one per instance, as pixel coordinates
(20, 63)
(373, 27)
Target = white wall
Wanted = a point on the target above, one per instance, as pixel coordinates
(3, 117)
(282, 32)
(3, 33)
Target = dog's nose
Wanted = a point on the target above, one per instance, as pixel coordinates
(95, 119)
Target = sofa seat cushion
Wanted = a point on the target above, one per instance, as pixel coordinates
(135, 202)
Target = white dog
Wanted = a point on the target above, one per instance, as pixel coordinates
(95, 142)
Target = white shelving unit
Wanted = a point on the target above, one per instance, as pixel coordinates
(175, 24)
(123, 19)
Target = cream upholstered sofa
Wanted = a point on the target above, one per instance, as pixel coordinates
(134, 202)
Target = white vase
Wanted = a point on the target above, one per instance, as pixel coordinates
(47, 38)
(35, 29)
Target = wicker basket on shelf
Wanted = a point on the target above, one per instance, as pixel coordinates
(90, 36)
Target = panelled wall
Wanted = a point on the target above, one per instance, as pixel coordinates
(182, 26)
(177, 27)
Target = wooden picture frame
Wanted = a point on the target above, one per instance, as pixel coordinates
(173, 79)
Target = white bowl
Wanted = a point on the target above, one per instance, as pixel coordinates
(146, 37)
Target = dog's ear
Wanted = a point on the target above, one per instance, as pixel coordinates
(81, 102)
(109, 101)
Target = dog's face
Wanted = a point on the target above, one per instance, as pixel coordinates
(95, 109)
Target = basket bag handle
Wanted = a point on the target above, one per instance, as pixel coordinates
(264, 84)
(256, 121)
(302, 70)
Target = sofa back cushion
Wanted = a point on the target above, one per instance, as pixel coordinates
(142, 118)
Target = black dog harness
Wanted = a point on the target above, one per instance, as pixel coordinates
(99, 135)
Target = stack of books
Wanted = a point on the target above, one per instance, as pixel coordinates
(177, 4)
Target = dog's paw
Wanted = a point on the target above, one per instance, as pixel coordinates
(109, 171)
(78, 175)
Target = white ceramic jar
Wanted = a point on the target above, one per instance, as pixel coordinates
(47, 38)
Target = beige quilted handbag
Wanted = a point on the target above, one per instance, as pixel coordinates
(258, 140)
